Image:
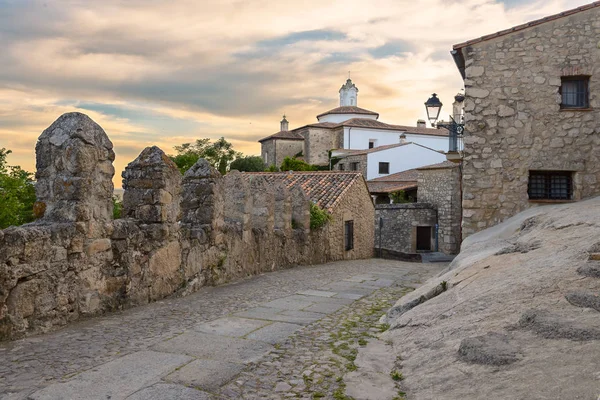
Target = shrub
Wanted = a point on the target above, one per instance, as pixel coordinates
(318, 217)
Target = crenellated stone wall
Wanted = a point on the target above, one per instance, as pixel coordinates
(176, 233)
(514, 122)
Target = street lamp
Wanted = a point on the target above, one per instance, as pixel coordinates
(433, 107)
(455, 129)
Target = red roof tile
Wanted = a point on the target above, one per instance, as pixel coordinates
(348, 110)
(442, 165)
(285, 135)
(371, 123)
(324, 188)
(528, 25)
(389, 187)
(410, 175)
(378, 148)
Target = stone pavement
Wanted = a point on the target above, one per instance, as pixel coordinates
(198, 346)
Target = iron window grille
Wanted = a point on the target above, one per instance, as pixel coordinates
(574, 91)
(354, 166)
(384, 167)
(349, 235)
(550, 185)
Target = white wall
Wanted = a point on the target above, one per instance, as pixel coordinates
(358, 138)
(402, 158)
(337, 118)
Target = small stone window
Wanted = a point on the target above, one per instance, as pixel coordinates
(349, 235)
(550, 185)
(342, 167)
(384, 167)
(353, 166)
(574, 91)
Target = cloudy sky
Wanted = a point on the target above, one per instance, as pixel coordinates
(166, 72)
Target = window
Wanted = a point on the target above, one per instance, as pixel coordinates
(341, 167)
(349, 235)
(371, 143)
(384, 167)
(353, 166)
(550, 185)
(574, 92)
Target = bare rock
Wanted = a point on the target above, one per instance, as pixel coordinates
(552, 326)
(582, 299)
(490, 349)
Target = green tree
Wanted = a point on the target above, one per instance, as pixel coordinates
(219, 154)
(248, 164)
(17, 193)
(293, 164)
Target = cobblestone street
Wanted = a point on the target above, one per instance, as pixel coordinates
(290, 333)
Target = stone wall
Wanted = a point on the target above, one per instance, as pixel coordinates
(514, 122)
(317, 144)
(274, 151)
(176, 235)
(361, 159)
(440, 187)
(400, 222)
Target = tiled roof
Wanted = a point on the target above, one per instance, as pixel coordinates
(321, 125)
(324, 188)
(410, 175)
(287, 135)
(389, 187)
(348, 110)
(378, 148)
(371, 123)
(442, 165)
(528, 25)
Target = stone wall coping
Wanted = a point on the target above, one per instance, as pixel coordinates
(404, 206)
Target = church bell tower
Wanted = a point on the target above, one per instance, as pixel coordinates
(348, 94)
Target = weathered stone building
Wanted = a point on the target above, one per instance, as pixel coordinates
(176, 235)
(439, 185)
(348, 127)
(432, 223)
(285, 143)
(532, 114)
(345, 196)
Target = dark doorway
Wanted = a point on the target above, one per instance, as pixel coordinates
(423, 238)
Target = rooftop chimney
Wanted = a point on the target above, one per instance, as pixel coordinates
(284, 124)
(402, 138)
(421, 123)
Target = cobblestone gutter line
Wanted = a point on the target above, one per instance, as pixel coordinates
(311, 363)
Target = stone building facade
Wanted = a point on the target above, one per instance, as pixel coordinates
(439, 185)
(402, 225)
(176, 235)
(532, 114)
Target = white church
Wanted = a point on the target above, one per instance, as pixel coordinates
(352, 138)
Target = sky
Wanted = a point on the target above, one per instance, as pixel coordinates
(166, 72)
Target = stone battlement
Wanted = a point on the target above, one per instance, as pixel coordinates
(177, 233)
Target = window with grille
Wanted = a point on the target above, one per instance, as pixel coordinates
(574, 92)
(384, 167)
(341, 167)
(349, 235)
(550, 185)
(353, 166)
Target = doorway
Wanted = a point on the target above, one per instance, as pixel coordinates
(423, 238)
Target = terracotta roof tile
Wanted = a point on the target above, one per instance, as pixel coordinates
(528, 25)
(409, 175)
(389, 187)
(348, 110)
(442, 165)
(371, 123)
(286, 135)
(349, 152)
(324, 188)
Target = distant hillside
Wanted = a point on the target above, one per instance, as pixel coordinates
(517, 316)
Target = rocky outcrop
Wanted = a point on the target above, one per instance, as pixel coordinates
(516, 315)
(174, 237)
